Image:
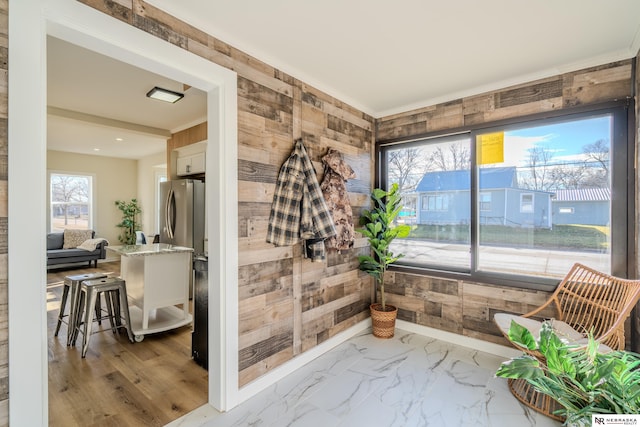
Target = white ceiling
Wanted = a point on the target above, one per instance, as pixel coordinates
(379, 56)
(390, 56)
(93, 99)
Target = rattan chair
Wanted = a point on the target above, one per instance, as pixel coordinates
(585, 301)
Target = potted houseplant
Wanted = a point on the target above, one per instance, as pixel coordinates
(583, 380)
(379, 229)
(129, 224)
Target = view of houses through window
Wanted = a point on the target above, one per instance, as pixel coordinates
(71, 201)
(542, 195)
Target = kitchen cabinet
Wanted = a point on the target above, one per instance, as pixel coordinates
(189, 160)
(157, 278)
(190, 164)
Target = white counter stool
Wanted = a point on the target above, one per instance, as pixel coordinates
(71, 291)
(115, 292)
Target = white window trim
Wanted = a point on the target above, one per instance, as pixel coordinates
(92, 206)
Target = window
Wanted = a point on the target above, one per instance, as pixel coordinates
(485, 202)
(488, 197)
(526, 202)
(437, 173)
(435, 203)
(71, 201)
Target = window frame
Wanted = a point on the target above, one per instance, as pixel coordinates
(92, 196)
(623, 262)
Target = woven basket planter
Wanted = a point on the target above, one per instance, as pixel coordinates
(383, 322)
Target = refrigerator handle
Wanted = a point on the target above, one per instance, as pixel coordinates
(170, 212)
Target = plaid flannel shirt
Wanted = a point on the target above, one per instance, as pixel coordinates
(299, 210)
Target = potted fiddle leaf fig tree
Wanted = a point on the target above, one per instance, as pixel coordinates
(379, 229)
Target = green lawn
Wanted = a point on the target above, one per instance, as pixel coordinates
(580, 237)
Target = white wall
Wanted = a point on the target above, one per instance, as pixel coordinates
(115, 179)
(148, 168)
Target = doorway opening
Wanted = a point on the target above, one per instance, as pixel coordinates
(29, 20)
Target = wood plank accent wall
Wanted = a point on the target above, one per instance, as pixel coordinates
(464, 307)
(287, 305)
(4, 223)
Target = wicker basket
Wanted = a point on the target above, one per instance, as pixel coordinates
(383, 322)
(527, 394)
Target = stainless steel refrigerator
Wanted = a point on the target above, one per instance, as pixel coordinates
(182, 214)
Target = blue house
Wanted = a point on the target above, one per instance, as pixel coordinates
(444, 198)
(587, 206)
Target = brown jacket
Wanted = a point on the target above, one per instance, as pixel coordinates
(334, 190)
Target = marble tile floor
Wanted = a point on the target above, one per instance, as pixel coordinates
(409, 380)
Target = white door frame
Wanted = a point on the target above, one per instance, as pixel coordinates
(30, 21)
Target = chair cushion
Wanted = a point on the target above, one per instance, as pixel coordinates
(563, 330)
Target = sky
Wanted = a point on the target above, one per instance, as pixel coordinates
(565, 140)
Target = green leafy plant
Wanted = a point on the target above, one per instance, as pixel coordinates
(582, 379)
(129, 224)
(378, 227)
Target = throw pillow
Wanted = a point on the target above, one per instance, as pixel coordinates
(74, 238)
(55, 241)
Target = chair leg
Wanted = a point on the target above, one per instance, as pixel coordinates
(99, 308)
(91, 302)
(117, 312)
(73, 311)
(124, 306)
(63, 305)
(110, 311)
(79, 316)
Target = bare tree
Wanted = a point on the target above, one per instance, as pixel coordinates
(406, 167)
(67, 189)
(452, 157)
(540, 176)
(598, 153)
(568, 176)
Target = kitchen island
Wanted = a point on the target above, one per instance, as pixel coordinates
(157, 278)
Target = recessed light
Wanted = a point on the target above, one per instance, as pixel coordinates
(165, 95)
(119, 139)
(96, 149)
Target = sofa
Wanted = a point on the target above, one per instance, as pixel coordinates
(73, 246)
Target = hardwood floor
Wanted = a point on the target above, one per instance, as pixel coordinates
(119, 383)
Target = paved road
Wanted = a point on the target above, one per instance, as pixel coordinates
(499, 259)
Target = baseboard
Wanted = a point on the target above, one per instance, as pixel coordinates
(282, 371)
(457, 339)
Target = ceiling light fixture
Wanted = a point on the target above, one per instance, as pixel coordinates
(165, 95)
